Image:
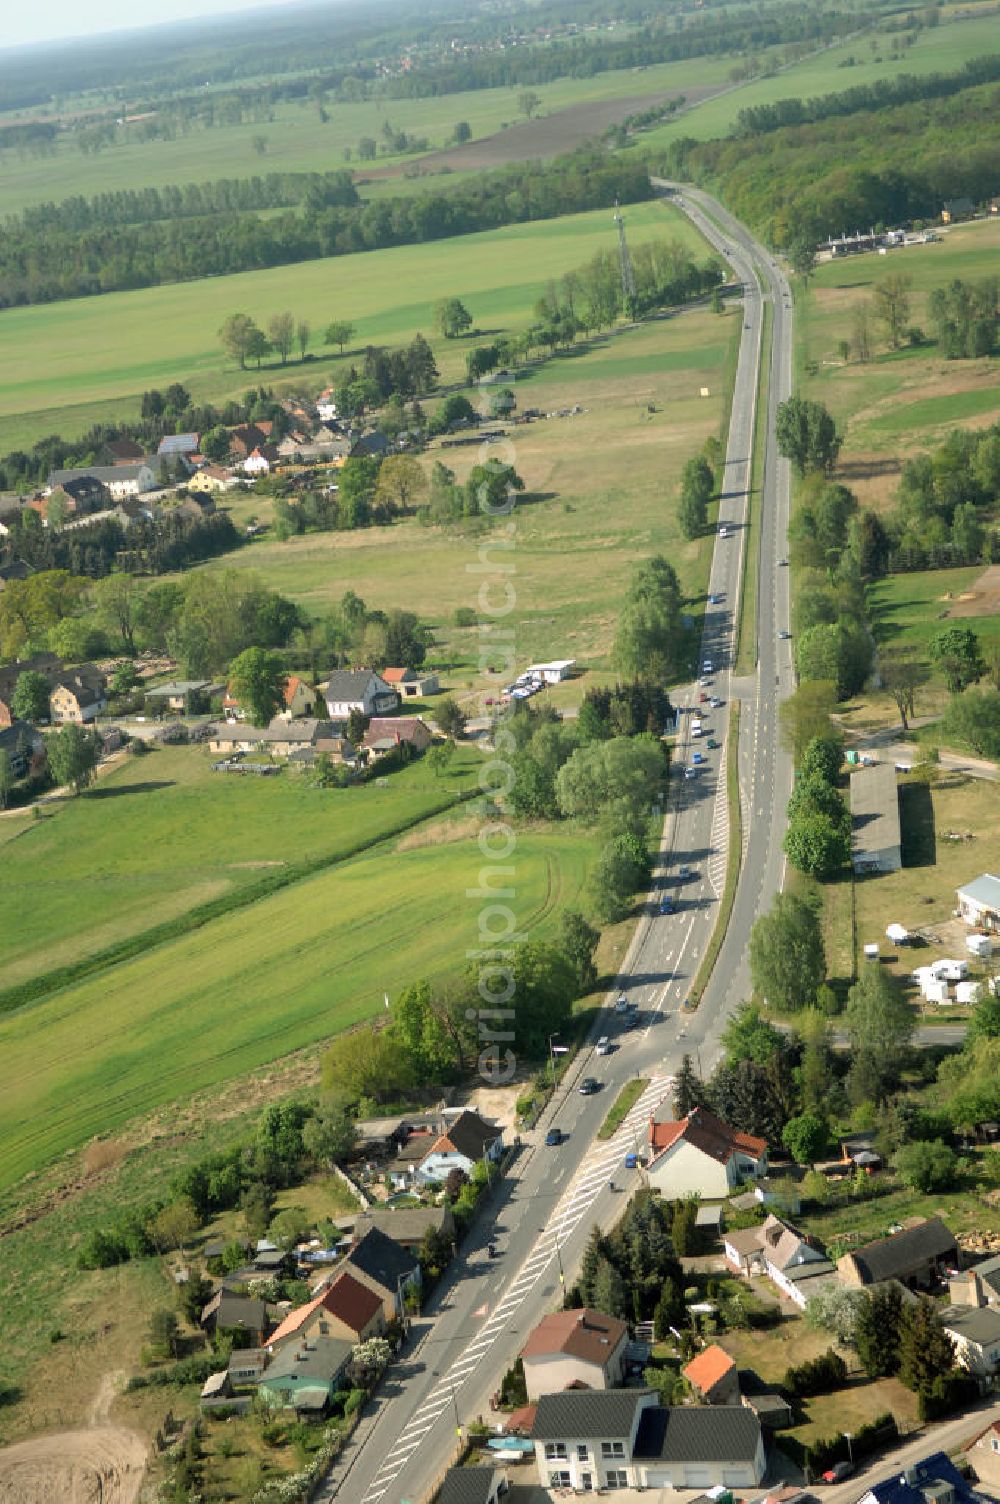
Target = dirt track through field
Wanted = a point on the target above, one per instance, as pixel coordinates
(101, 1466)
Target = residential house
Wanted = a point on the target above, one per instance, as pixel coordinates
(979, 903)
(384, 1267)
(474, 1485)
(243, 441)
(259, 461)
(246, 1365)
(209, 480)
(300, 697)
(122, 452)
(403, 1168)
(387, 732)
(178, 446)
(326, 408)
(358, 689)
(488, 1484)
(978, 1286)
(954, 210)
(713, 1376)
(43, 663)
(983, 1451)
(369, 446)
(916, 1256)
(701, 1155)
(460, 1146)
(306, 1372)
(975, 1336)
(621, 1438)
(875, 833)
(229, 1312)
(24, 747)
(281, 738)
(781, 1253)
(177, 693)
(115, 481)
(408, 1225)
(932, 1480)
(347, 1309)
(82, 491)
(582, 1349)
(78, 695)
(410, 685)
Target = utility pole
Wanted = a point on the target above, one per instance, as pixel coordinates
(625, 260)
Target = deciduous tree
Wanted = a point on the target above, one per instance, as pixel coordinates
(787, 959)
(257, 681)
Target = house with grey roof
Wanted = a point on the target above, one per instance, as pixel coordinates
(385, 1267)
(975, 1336)
(408, 1225)
(978, 1286)
(979, 903)
(358, 689)
(117, 481)
(303, 1375)
(915, 1256)
(173, 445)
(875, 833)
(622, 1438)
(487, 1484)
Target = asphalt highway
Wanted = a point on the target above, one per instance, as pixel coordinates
(543, 1211)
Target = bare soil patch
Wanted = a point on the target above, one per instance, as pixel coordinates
(872, 477)
(102, 1466)
(984, 597)
(443, 833)
(548, 136)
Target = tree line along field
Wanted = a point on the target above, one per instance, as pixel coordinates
(89, 359)
(600, 496)
(941, 49)
(297, 141)
(163, 833)
(288, 971)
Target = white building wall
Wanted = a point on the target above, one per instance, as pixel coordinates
(684, 1171)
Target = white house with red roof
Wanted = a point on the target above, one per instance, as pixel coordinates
(701, 1155)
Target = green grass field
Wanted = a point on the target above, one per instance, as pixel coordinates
(607, 476)
(900, 398)
(909, 608)
(943, 49)
(297, 141)
(163, 833)
(89, 359)
(288, 971)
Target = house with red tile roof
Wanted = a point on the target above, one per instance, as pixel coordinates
(581, 1349)
(713, 1376)
(701, 1155)
(410, 685)
(346, 1308)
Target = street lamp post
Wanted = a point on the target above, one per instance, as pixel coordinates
(850, 1449)
(552, 1055)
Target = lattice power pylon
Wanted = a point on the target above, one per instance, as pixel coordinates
(628, 275)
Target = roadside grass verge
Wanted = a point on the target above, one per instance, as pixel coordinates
(624, 1102)
(734, 861)
(746, 653)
